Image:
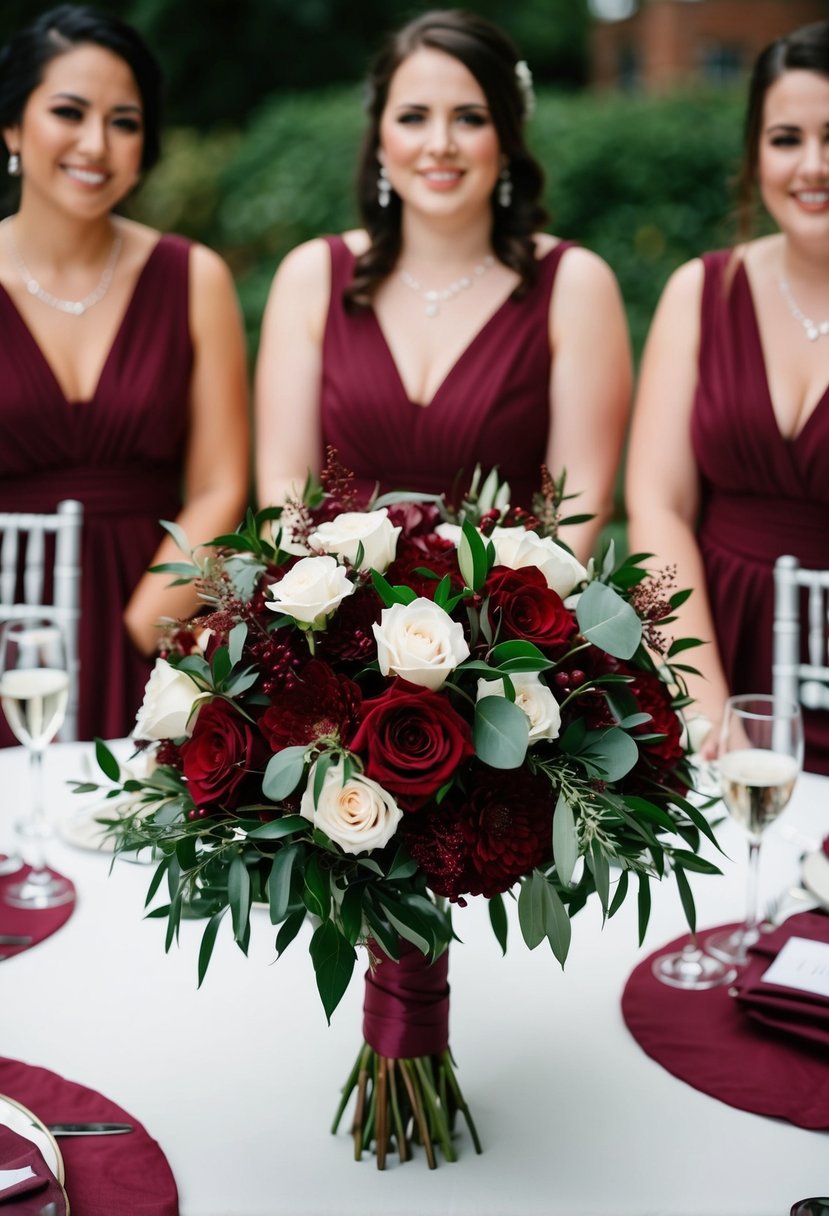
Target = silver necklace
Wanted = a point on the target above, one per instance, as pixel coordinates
(75, 308)
(434, 297)
(814, 329)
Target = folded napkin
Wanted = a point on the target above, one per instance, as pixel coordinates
(27, 1184)
(791, 1011)
(105, 1175)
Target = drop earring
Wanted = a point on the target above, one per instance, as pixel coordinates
(13, 166)
(503, 193)
(383, 187)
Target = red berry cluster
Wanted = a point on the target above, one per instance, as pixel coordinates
(278, 660)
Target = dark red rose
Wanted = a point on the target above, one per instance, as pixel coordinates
(482, 844)
(220, 755)
(412, 741)
(319, 704)
(528, 610)
(429, 552)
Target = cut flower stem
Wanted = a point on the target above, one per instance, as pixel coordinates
(403, 1101)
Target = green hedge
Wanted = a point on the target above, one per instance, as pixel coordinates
(645, 182)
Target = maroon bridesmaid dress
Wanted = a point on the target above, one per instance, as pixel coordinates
(761, 495)
(120, 453)
(492, 408)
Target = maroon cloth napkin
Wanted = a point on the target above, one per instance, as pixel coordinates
(36, 923)
(105, 1175)
(29, 1197)
(788, 1010)
(705, 1039)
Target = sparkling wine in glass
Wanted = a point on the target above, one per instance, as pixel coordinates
(761, 755)
(34, 690)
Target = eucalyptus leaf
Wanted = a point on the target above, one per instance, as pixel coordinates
(178, 534)
(611, 752)
(208, 941)
(501, 733)
(608, 621)
(557, 925)
(283, 773)
(291, 926)
(531, 909)
(279, 882)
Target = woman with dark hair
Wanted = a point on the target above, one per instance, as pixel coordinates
(121, 351)
(448, 331)
(729, 457)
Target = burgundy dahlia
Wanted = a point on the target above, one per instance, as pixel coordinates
(319, 704)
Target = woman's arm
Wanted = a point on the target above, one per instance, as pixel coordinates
(217, 455)
(662, 484)
(590, 390)
(288, 374)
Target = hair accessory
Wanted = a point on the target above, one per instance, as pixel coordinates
(503, 192)
(13, 167)
(434, 297)
(75, 308)
(383, 187)
(525, 87)
(814, 329)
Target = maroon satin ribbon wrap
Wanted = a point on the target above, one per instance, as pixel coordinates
(406, 1009)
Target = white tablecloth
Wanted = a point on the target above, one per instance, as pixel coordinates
(239, 1081)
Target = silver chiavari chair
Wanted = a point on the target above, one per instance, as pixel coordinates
(23, 544)
(803, 682)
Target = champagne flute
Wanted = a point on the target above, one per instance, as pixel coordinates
(34, 690)
(761, 754)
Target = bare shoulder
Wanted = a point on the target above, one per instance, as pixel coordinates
(583, 271)
(357, 240)
(306, 268)
(209, 271)
(683, 289)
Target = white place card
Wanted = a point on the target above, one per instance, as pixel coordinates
(801, 964)
(10, 1178)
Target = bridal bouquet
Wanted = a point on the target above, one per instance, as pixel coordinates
(388, 710)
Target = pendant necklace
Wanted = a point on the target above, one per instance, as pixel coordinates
(814, 329)
(434, 297)
(75, 308)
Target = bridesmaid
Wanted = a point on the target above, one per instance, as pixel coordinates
(121, 350)
(729, 456)
(448, 330)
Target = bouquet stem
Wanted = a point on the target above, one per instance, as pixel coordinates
(404, 1101)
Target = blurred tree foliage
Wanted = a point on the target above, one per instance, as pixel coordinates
(221, 60)
(644, 182)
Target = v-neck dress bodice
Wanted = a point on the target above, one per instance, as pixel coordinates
(492, 407)
(120, 453)
(762, 495)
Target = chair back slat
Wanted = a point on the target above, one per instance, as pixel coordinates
(9, 549)
(27, 533)
(794, 680)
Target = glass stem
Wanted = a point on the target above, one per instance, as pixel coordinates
(38, 852)
(752, 920)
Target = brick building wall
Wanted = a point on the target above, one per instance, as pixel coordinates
(672, 42)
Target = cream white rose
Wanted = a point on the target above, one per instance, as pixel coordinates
(357, 814)
(420, 642)
(344, 534)
(516, 548)
(311, 590)
(534, 697)
(170, 698)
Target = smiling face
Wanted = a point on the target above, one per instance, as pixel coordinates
(438, 142)
(81, 138)
(793, 164)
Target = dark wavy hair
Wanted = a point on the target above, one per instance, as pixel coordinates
(491, 58)
(805, 49)
(26, 55)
